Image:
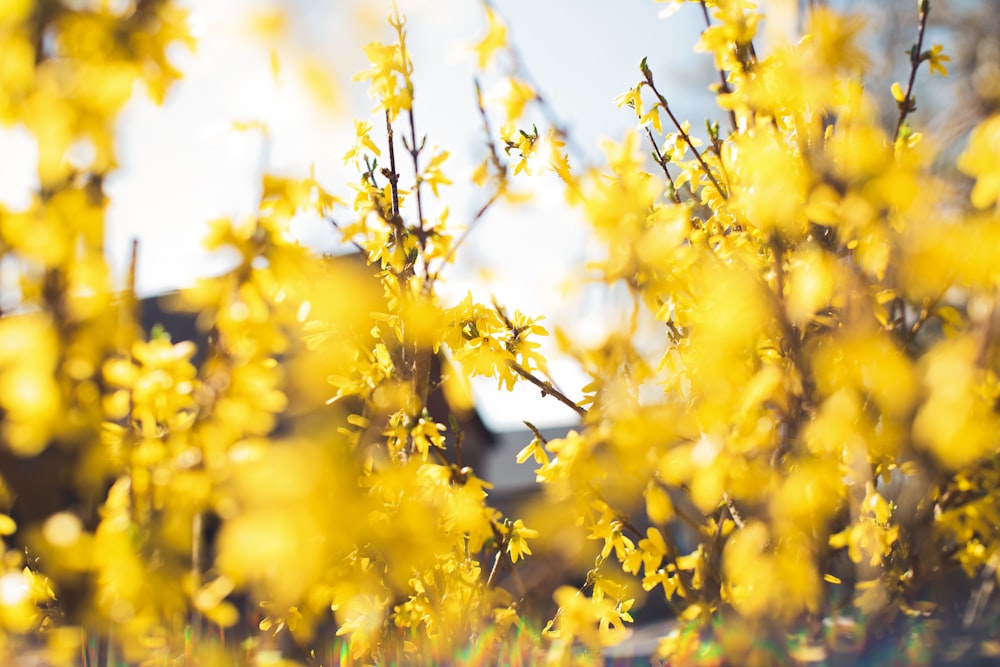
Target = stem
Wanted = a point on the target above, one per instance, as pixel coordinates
(468, 230)
(723, 83)
(360, 248)
(793, 350)
(501, 170)
(547, 388)
(674, 195)
(392, 175)
(196, 569)
(926, 310)
(733, 512)
(535, 432)
(490, 144)
(908, 104)
(672, 553)
(680, 130)
(415, 150)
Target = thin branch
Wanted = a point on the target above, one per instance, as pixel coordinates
(733, 512)
(925, 313)
(546, 387)
(793, 349)
(546, 107)
(908, 104)
(490, 144)
(392, 174)
(660, 160)
(648, 74)
(354, 243)
(501, 170)
(414, 151)
(724, 88)
(535, 432)
(673, 553)
(467, 231)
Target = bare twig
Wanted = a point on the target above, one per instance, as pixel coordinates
(660, 160)
(908, 104)
(733, 512)
(360, 248)
(415, 150)
(392, 174)
(501, 170)
(468, 230)
(490, 144)
(546, 387)
(535, 432)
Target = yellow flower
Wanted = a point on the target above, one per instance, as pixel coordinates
(517, 96)
(517, 545)
(935, 57)
(495, 39)
(432, 172)
(981, 160)
(390, 72)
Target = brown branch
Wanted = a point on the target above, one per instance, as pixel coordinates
(648, 74)
(415, 151)
(660, 160)
(908, 103)
(793, 350)
(354, 243)
(535, 432)
(546, 387)
(392, 175)
(733, 512)
(490, 144)
(501, 170)
(467, 231)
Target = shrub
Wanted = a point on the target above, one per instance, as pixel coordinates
(804, 466)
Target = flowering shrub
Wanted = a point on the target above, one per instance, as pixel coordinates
(805, 463)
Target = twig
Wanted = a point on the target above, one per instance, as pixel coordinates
(674, 195)
(733, 512)
(501, 170)
(490, 144)
(790, 334)
(467, 231)
(724, 88)
(908, 104)
(414, 151)
(535, 432)
(546, 387)
(354, 243)
(392, 175)
(680, 129)
(672, 551)
(197, 538)
(925, 313)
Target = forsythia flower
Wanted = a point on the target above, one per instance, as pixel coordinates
(517, 545)
(495, 39)
(936, 59)
(981, 160)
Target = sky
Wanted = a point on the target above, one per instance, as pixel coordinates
(182, 163)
